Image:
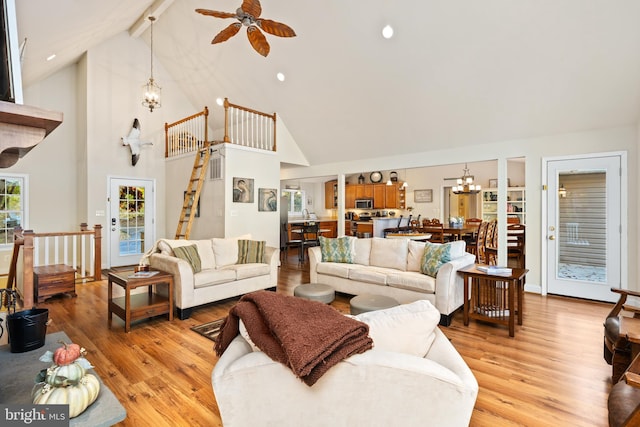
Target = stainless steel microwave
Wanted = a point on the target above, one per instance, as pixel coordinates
(364, 203)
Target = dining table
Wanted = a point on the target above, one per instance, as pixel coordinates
(410, 236)
(458, 232)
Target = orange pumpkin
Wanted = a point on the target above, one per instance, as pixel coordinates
(67, 354)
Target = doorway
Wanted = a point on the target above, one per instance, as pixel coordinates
(131, 220)
(584, 226)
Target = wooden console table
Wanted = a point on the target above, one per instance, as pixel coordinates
(139, 306)
(494, 298)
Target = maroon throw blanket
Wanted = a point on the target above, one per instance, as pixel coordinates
(307, 336)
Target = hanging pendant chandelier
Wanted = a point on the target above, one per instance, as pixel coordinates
(465, 184)
(151, 91)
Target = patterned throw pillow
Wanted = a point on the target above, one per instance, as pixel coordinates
(434, 256)
(336, 249)
(189, 254)
(251, 251)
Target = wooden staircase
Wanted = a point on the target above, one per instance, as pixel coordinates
(192, 195)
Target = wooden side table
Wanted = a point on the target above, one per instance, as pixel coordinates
(139, 306)
(493, 296)
(50, 280)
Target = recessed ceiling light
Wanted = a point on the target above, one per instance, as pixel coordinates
(387, 32)
(219, 101)
(50, 57)
(280, 77)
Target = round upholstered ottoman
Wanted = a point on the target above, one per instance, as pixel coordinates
(369, 302)
(315, 292)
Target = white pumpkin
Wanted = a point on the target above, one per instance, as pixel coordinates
(64, 375)
(78, 396)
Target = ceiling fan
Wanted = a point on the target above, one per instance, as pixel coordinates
(249, 15)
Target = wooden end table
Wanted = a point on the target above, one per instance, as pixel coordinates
(493, 296)
(139, 306)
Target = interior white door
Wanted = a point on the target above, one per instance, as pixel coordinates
(131, 221)
(584, 224)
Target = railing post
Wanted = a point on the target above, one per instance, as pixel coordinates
(206, 124)
(226, 120)
(97, 267)
(166, 140)
(27, 273)
(274, 131)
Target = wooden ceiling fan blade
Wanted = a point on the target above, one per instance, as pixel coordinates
(258, 41)
(276, 28)
(227, 33)
(252, 7)
(216, 14)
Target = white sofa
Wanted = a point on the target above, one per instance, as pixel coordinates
(391, 267)
(413, 376)
(221, 276)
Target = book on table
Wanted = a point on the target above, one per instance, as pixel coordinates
(494, 269)
(142, 274)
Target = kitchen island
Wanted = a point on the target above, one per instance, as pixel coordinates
(376, 226)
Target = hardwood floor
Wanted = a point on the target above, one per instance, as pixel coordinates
(551, 373)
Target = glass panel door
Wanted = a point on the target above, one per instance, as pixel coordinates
(131, 229)
(584, 222)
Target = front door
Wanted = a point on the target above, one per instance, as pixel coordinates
(131, 221)
(584, 223)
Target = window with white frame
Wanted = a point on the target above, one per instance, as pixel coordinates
(295, 200)
(13, 194)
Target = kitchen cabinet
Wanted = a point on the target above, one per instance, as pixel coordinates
(349, 196)
(331, 194)
(392, 200)
(516, 205)
(328, 225)
(379, 196)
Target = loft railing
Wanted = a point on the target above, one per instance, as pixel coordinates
(250, 128)
(81, 250)
(187, 135)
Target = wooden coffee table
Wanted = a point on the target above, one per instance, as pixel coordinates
(139, 306)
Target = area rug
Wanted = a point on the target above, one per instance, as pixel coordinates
(209, 329)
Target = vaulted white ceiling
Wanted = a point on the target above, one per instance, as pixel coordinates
(456, 73)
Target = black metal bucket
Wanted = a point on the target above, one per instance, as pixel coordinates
(27, 329)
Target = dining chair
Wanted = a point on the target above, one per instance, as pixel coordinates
(436, 231)
(392, 229)
(286, 242)
(310, 237)
(491, 243)
(415, 224)
(516, 243)
(480, 243)
(406, 228)
(472, 239)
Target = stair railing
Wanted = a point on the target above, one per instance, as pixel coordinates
(250, 128)
(186, 135)
(81, 250)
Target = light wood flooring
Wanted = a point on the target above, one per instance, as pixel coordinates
(551, 373)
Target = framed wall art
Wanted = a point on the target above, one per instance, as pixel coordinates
(423, 196)
(197, 215)
(267, 199)
(243, 190)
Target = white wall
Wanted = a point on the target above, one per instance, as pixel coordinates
(240, 218)
(624, 138)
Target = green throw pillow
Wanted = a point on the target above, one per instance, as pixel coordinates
(251, 251)
(189, 254)
(434, 256)
(336, 250)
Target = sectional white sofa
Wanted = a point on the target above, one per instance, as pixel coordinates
(221, 275)
(392, 267)
(413, 376)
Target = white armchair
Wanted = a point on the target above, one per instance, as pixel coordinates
(380, 387)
